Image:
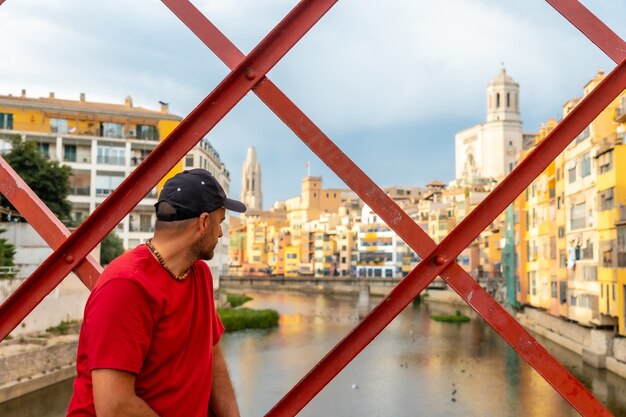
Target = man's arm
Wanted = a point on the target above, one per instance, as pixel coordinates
(223, 402)
(114, 395)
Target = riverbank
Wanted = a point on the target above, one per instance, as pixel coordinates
(30, 363)
(598, 348)
(34, 362)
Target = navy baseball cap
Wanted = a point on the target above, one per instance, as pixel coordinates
(192, 193)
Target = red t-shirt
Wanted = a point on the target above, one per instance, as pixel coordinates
(141, 320)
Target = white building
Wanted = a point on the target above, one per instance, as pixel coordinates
(103, 143)
(380, 250)
(491, 149)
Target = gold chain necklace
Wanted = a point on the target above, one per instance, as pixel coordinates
(162, 262)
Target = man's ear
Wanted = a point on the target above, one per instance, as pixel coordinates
(204, 221)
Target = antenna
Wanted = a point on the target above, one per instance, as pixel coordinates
(308, 168)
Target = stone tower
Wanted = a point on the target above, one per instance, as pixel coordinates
(491, 149)
(503, 99)
(251, 193)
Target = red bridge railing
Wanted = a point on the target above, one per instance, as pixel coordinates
(249, 73)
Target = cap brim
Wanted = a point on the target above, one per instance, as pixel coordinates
(234, 205)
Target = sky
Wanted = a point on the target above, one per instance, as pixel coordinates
(390, 82)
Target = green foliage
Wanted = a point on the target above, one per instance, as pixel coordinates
(62, 328)
(111, 247)
(245, 318)
(7, 253)
(451, 318)
(236, 300)
(48, 179)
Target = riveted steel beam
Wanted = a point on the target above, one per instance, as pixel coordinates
(372, 195)
(439, 261)
(592, 27)
(520, 339)
(39, 216)
(186, 135)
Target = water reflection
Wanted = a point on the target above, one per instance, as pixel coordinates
(416, 367)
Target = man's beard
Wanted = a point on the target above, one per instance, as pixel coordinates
(202, 250)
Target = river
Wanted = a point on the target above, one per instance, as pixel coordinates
(415, 367)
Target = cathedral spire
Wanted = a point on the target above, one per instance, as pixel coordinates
(251, 193)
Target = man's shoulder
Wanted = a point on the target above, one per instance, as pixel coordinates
(133, 265)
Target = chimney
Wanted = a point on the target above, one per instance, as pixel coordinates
(82, 97)
(51, 94)
(128, 101)
(165, 107)
(23, 92)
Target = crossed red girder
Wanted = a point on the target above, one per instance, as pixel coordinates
(248, 73)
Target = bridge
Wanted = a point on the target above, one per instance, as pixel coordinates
(248, 73)
(374, 286)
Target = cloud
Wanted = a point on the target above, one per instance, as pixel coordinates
(389, 81)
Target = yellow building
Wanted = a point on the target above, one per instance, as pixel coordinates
(263, 240)
(611, 188)
(101, 142)
(540, 236)
(586, 224)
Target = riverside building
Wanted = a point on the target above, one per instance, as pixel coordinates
(103, 143)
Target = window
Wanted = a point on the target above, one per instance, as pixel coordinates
(6, 121)
(111, 155)
(562, 259)
(189, 161)
(69, 153)
(606, 251)
(587, 252)
(497, 100)
(583, 135)
(563, 291)
(508, 99)
(554, 288)
(44, 148)
(561, 231)
(577, 216)
(111, 130)
(80, 183)
(145, 223)
(106, 183)
(58, 126)
(388, 273)
(571, 174)
(605, 199)
(605, 162)
(147, 132)
(621, 246)
(585, 165)
(553, 248)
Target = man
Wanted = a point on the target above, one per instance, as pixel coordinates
(148, 344)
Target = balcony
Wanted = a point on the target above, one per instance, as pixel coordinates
(622, 216)
(112, 160)
(141, 228)
(620, 114)
(79, 191)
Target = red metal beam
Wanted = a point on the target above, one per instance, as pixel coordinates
(592, 27)
(358, 181)
(439, 261)
(199, 122)
(39, 216)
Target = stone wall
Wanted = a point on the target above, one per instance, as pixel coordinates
(21, 361)
(572, 331)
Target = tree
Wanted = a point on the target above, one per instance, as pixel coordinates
(110, 248)
(7, 252)
(48, 179)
